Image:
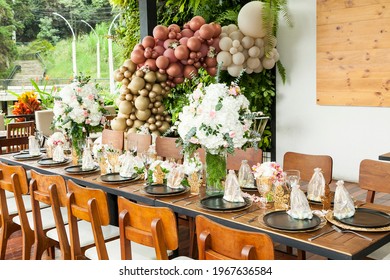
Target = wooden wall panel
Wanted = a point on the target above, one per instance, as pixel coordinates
(353, 52)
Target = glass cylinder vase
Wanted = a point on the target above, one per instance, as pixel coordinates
(77, 150)
(215, 171)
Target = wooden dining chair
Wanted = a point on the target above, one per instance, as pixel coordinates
(146, 233)
(19, 130)
(11, 145)
(89, 205)
(167, 149)
(218, 242)
(114, 138)
(306, 163)
(142, 141)
(374, 176)
(252, 155)
(50, 190)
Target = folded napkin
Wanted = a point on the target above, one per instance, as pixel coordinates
(175, 177)
(316, 187)
(299, 206)
(344, 206)
(87, 160)
(58, 153)
(232, 188)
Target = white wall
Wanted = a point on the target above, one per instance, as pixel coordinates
(348, 134)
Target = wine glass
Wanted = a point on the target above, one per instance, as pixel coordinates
(147, 161)
(133, 147)
(292, 177)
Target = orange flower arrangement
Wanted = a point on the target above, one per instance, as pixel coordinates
(27, 104)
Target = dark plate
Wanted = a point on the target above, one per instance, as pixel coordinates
(51, 162)
(219, 204)
(249, 189)
(367, 218)
(161, 189)
(24, 156)
(283, 221)
(26, 151)
(76, 169)
(116, 178)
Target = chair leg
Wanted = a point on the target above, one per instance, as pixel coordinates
(6, 230)
(28, 242)
(301, 255)
(193, 244)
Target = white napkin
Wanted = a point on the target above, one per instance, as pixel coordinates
(58, 153)
(127, 166)
(232, 188)
(300, 208)
(175, 177)
(344, 206)
(316, 187)
(87, 160)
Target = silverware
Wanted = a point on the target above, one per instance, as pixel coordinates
(351, 231)
(252, 219)
(319, 235)
(137, 190)
(189, 202)
(183, 198)
(242, 214)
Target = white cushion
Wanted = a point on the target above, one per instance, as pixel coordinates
(9, 194)
(383, 253)
(86, 234)
(11, 203)
(138, 251)
(47, 218)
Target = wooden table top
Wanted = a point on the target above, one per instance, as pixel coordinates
(333, 245)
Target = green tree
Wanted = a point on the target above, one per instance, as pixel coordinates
(7, 27)
(25, 20)
(48, 32)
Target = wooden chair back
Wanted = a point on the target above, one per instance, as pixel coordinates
(166, 148)
(374, 176)
(114, 138)
(20, 130)
(89, 205)
(11, 145)
(7, 226)
(252, 155)
(306, 164)
(147, 225)
(51, 190)
(142, 141)
(218, 242)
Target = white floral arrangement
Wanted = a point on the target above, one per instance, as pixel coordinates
(269, 169)
(192, 164)
(217, 118)
(56, 138)
(78, 110)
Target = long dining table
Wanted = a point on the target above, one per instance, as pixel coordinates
(333, 245)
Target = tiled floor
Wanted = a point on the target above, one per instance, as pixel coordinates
(14, 248)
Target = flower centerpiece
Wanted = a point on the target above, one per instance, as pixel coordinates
(218, 120)
(27, 104)
(267, 175)
(78, 111)
(57, 138)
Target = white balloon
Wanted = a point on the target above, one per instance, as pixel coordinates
(254, 51)
(259, 42)
(239, 58)
(250, 20)
(224, 58)
(259, 69)
(225, 43)
(268, 63)
(235, 70)
(253, 62)
(247, 42)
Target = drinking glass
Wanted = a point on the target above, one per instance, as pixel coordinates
(292, 177)
(133, 147)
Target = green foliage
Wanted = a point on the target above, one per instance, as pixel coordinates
(46, 97)
(48, 32)
(7, 45)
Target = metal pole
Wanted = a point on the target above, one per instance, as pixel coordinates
(73, 46)
(97, 50)
(110, 57)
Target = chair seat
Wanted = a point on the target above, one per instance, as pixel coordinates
(47, 218)
(138, 251)
(383, 253)
(12, 208)
(86, 234)
(9, 194)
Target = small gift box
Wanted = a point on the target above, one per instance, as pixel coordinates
(232, 191)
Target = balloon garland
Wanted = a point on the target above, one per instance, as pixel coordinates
(160, 62)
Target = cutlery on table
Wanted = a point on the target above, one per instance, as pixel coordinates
(321, 234)
(350, 231)
(183, 198)
(242, 214)
(251, 220)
